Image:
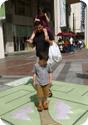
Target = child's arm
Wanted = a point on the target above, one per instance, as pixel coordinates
(46, 34)
(47, 18)
(34, 79)
(50, 74)
(50, 78)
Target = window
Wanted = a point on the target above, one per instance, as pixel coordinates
(23, 31)
(23, 8)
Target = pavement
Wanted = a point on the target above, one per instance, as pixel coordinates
(67, 106)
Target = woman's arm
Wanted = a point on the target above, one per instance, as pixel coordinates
(47, 18)
(30, 40)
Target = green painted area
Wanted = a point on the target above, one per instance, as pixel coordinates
(71, 92)
(68, 113)
(31, 117)
(2, 11)
(69, 104)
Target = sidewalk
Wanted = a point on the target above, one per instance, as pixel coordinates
(80, 57)
(69, 104)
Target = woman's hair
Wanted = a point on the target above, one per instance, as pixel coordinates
(44, 10)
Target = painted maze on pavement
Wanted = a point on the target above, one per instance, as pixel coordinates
(68, 106)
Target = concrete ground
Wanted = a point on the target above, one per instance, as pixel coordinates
(69, 104)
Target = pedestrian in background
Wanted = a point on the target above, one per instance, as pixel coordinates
(71, 40)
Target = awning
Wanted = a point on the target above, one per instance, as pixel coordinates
(66, 34)
(73, 1)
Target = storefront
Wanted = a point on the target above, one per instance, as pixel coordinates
(18, 24)
(2, 17)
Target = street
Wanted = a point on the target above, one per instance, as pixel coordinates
(72, 68)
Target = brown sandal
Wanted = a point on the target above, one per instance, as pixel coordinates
(40, 108)
(45, 106)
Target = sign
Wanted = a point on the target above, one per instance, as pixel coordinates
(2, 1)
(2, 11)
(62, 13)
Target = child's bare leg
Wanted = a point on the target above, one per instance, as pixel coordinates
(46, 34)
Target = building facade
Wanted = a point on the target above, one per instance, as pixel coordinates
(18, 22)
(77, 18)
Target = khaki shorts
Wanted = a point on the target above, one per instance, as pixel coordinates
(42, 91)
